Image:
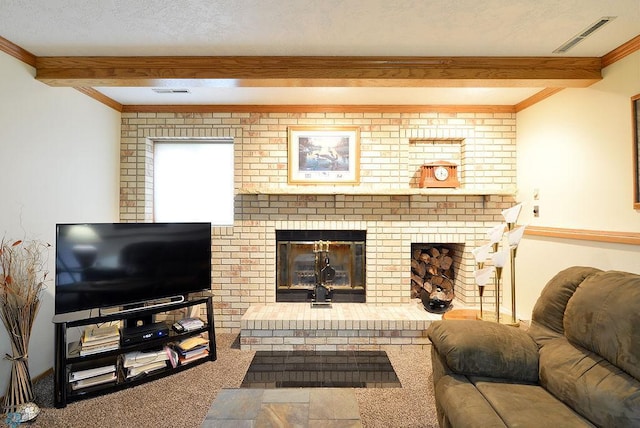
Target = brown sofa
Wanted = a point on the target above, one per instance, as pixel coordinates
(577, 365)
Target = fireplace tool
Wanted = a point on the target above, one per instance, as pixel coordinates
(324, 274)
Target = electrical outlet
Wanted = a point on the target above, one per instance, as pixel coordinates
(536, 211)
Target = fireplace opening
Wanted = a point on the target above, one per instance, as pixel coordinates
(433, 269)
(334, 259)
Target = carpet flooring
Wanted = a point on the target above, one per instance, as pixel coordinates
(183, 399)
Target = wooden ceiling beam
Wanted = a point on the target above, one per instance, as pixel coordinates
(290, 71)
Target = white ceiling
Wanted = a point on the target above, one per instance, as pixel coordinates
(316, 28)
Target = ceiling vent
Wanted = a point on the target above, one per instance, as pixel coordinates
(584, 34)
(170, 91)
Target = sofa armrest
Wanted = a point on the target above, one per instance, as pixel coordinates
(478, 348)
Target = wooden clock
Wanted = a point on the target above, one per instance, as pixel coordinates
(439, 174)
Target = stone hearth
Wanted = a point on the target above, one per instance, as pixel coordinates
(344, 326)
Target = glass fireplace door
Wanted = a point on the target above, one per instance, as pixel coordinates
(297, 272)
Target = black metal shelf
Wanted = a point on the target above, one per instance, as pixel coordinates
(147, 344)
(65, 363)
(120, 384)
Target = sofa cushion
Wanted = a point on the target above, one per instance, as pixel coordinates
(603, 316)
(460, 405)
(550, 306)
(523, 405)
(485, 349)
(589, 384)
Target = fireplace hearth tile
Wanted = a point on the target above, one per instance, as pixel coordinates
(321, 369)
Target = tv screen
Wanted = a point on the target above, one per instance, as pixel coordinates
(103, 265)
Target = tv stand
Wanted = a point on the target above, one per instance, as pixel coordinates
(67, 362)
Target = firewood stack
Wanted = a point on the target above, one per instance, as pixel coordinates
(432, 277)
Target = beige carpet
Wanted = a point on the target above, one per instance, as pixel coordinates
(182, 400)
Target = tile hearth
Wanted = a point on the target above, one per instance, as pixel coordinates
(321, 369)
(343, 326)
(291, 407)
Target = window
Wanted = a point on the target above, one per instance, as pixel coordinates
(193, 181)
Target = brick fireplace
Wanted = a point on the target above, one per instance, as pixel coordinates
(390, 238)
(385, 204)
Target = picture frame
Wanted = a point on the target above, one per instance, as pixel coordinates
(635, 109)
(324, 155)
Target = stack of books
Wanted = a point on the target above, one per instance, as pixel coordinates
(190, 324)
(141, 363)
(94, 376)
(192, 349)
(99, 339)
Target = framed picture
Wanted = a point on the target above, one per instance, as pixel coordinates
(327, 155)
(635, 108)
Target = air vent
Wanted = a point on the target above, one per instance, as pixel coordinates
(170, 91)
(584, 34)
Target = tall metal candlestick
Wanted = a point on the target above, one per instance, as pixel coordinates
(497, 281)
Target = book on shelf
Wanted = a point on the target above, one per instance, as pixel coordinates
(184, 360)
(99, 339)
(98, 342)
(193, 351)
(96, 350)
(91, 334)
(191, 342)
(138, 362)
(189, 324)
(138, 358)
(88, 373)
(95, 380)
(145, 368)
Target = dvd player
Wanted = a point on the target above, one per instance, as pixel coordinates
(133, 335)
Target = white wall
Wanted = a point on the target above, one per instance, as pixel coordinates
(575, 148)
(59, 162)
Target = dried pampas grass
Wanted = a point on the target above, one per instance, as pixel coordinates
(22, 279)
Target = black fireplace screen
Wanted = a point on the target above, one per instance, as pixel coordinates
(300, 257)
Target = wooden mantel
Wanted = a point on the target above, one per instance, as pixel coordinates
(347, 71)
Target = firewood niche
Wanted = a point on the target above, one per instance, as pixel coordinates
(432, 276)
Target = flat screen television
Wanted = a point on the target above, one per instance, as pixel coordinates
(104, 265)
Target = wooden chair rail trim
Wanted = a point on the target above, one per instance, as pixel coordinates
(612, 237)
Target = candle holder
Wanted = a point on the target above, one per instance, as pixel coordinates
(495, 236)
(510, 217)
(515, 235)
(499, 260)
(481, 254)
(482, 277)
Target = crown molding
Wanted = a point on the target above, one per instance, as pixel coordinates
(99, 96)
(622, 51)
(536, 98)
(317, 108)
(17, 52)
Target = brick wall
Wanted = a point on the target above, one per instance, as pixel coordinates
(392, 148)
